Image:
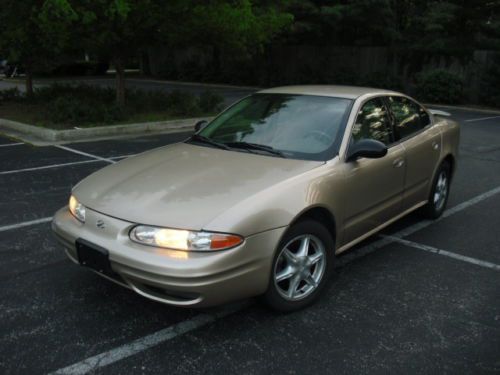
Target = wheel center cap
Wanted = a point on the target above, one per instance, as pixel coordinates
(303, 265)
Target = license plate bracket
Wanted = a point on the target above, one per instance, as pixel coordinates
(94, 257)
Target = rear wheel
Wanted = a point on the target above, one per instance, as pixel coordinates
(439, 192)
(301, 266)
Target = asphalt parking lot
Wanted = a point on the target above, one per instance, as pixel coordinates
(423, 297)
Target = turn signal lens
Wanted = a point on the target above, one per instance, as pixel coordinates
(77, 209)
(223, 241)
(183, 239)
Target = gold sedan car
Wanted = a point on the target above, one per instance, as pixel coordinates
(261, 199)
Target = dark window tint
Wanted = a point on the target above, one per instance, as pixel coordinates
(372, 122)
(409, 116)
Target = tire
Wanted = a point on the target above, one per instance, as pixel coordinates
(303, 270)
(438, 197)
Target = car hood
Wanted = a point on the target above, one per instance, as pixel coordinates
(183, 185)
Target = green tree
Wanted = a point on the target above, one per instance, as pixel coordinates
(239, 27)
(28, 40)
(338, 22)
(117, 30)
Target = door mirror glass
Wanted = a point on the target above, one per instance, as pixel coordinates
(200, 125)
(367, 148)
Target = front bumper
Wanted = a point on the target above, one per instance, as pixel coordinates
(194, 279)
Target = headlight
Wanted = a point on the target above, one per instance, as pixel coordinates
(77, 209)
(183, 239)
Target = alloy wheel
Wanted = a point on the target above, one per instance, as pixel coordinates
(441, 190)
(300, 267)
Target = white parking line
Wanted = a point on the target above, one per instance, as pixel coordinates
(367, 249)
(93, 363)
(147, 342)
(49, 166)
(25, 224)
(85, 154)
(11, 144)
(62, 165)
(450, 254)
(482, 119)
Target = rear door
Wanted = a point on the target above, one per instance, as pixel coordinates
(373, 187)
(414, 131)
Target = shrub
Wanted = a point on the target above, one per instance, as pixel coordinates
(490, 85)
(10, 95)
(439, 86)
(82, 104)
(210, 101)
(140, 101)
(181, 103)
(73, 110)
(82, 91)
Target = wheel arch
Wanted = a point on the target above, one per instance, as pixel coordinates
(450, 159)
(322, 215)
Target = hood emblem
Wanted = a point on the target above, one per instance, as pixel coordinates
(100, 224)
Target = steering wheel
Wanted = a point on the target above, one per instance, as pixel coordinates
(321, 136)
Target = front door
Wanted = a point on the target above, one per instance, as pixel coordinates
(372, 187)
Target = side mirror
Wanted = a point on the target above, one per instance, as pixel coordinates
(367, 148)
(200, 125)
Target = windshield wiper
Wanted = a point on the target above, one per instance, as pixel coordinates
(255, 146)
(208, 141)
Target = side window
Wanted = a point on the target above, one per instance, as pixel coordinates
(409, 116)
(372, 122)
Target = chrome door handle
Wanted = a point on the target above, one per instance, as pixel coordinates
(398, 163)
(435, 145)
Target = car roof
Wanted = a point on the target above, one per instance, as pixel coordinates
(348, 92)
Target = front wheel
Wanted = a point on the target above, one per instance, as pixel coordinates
(439, 192)
(301, 266)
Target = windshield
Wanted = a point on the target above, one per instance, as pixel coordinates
(294, 126)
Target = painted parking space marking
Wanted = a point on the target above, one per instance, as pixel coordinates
(450, 254)
(25, 224)
(85, 154)
(63, 165)
(49, 166)
(11, 144)
(482, 119)
(114, 355)
(383, 241)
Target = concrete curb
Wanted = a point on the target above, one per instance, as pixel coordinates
(42, 136)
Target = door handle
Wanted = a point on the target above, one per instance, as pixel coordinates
(435, 145)
(398, 163)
